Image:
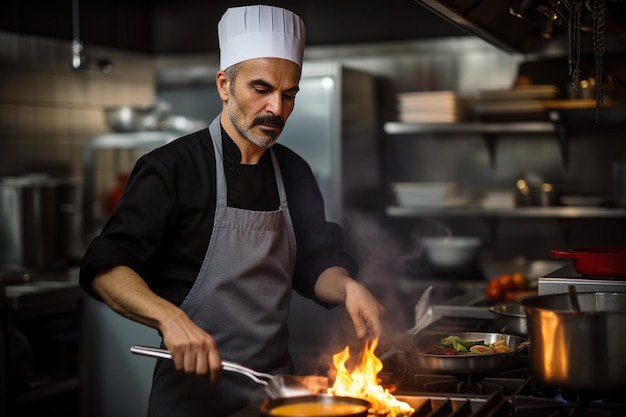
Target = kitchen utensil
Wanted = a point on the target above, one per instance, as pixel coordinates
(510, 317)
(466, 363)
(599, 261)
(316, 405)
(137, 118)
(451, 251)
(577, 351)
(276, 386)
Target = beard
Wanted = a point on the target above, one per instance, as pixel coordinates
(265, 138)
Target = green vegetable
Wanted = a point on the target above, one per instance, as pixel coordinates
(460, 345)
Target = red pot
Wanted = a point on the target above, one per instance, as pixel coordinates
(599, 261)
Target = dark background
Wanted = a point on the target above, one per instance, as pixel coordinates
(190, 26)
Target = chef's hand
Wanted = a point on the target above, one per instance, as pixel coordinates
(364, 310)
(335, 285)
(193, 350)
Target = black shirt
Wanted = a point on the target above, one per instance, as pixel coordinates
(163, 222)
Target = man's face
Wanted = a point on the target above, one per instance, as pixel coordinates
(262, 98)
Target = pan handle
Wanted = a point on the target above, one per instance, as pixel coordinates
(522, 345)
(258, 377)
(563, 254)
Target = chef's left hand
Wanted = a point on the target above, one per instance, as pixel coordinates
(336, 286)
(364, 310)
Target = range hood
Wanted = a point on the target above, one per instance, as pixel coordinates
(542, 30)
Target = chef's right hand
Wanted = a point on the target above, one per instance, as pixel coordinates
(193, 350)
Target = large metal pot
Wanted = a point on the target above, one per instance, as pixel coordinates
(37, 222)
(578, 351)
(600, 261)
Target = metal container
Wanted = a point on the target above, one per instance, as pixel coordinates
(578, 351)
(37, 222)
(510, 317)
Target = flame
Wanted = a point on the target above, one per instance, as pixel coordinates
(363, 383)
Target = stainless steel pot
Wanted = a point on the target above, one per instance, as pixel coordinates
(37, 221)
(578, 351)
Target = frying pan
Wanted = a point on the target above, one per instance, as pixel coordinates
(276, 386)
(466, 363)
(316, 405)
(599, 261)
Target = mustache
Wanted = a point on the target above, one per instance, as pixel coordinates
(269, 119)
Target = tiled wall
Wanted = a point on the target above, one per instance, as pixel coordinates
(49, 110)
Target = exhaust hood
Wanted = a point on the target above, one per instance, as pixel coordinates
(540, 26)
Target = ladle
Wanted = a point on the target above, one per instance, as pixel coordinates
(276, 386)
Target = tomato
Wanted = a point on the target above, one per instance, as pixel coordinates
(520, 281)
(494, 291)
(512, 295)
(506, 282)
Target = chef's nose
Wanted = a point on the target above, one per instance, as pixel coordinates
(275, 104)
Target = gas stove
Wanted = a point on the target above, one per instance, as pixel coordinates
(509, 393)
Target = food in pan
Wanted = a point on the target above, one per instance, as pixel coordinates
(454, 345)
(316, 408)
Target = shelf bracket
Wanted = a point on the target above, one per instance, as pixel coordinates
(491, 140)
(562, 136)
(564, 225)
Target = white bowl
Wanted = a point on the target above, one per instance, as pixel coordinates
(451, 252)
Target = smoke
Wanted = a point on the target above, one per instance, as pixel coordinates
(382, 263)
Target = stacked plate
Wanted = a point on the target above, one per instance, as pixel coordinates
(431, 107)
(519, 103)
(428, 194)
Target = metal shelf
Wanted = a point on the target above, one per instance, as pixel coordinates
(488, 130)
(518, 212)
(401, 128)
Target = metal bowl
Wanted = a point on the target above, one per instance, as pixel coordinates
(126, 118)
(510, 317)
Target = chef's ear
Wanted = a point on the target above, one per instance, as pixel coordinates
(222, 80)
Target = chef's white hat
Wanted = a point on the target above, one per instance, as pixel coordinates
(260, 32)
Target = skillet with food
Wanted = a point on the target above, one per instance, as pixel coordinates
(465, 352)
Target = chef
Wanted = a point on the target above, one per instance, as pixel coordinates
(216, 228)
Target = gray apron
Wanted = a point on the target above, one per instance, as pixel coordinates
(241, 298)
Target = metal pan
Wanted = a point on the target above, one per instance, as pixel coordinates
(599, 261)
(276, 386)
(510, 317)
(316, 405)
(466, 363)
